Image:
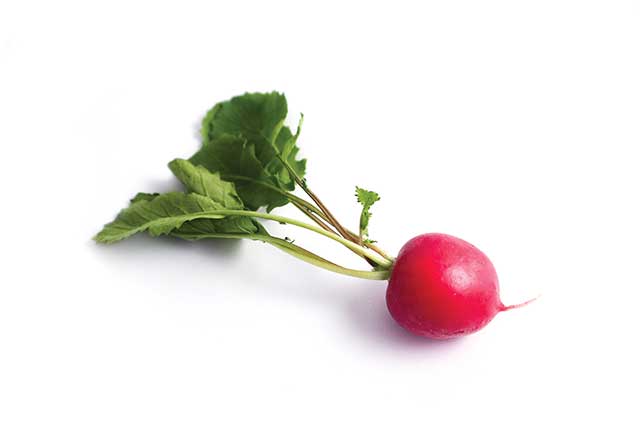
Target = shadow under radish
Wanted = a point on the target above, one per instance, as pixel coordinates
(359, 306)
(367, 312)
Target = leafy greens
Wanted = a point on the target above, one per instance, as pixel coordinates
(170, 211)
(245, 140)
(248, 160)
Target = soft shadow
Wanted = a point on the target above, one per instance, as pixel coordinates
(169, 184)
(362, 306)
(278, 276)
(197, 128)
(142, 245)
(264, 265)
(367, 311)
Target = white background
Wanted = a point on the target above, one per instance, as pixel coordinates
(513, 125)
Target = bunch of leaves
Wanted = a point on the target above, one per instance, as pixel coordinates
(245, 140)
(192, 215)
(245, 162)
(248, 160)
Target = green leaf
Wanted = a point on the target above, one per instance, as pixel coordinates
(235, 160)
(200, 228)
(246, 141)
(141, 196)
(257, 116)
(198, 179)
(285, 144)
(367, 198)
(168, 213)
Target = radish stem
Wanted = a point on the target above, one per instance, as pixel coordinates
(299, 253)
(378, 260)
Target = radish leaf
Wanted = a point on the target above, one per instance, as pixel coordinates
(142, 196)
(235, 159)
(367, 198)
(199, 180)
(168, 212)
(246, 141)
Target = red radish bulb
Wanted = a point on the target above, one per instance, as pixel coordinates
(443, 287)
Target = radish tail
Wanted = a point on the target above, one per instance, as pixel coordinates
(510, 307)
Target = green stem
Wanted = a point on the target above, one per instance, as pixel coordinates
(375, 248)
(372, 275)
(293, 198)
(297, 252)
(351, 245)
(306, 207)
(383, 262)
(315, 219)
(322, 224)
(330, 218)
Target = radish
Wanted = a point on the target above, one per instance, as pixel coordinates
(440, 286)
(443, 287)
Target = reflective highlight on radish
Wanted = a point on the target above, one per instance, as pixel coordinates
(443, 287)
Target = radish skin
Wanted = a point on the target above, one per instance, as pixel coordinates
(442, 287)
